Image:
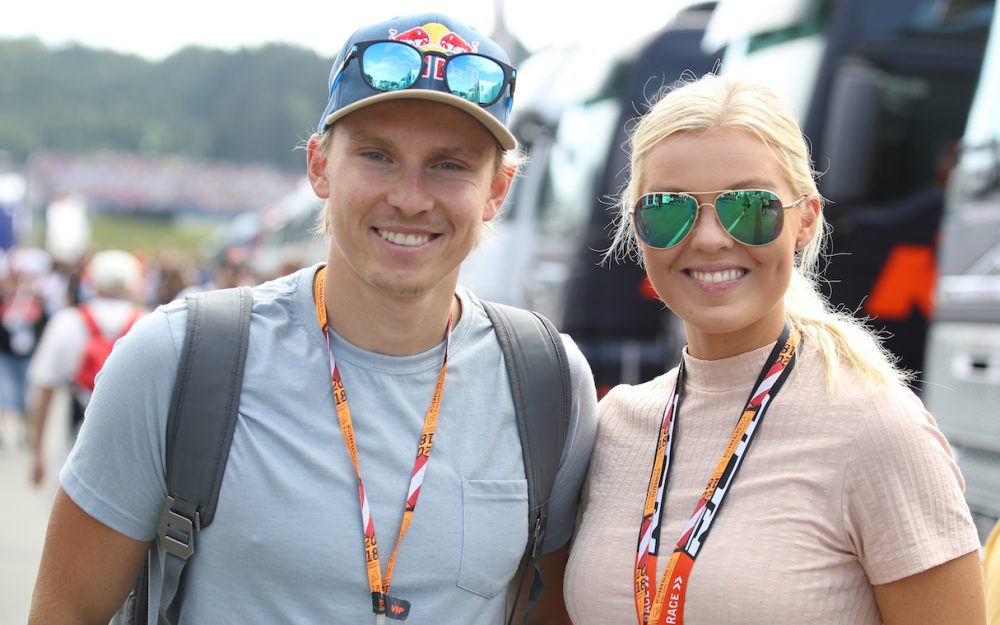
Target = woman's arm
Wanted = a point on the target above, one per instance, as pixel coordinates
(949, 594)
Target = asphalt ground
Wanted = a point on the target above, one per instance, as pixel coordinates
(24, 511)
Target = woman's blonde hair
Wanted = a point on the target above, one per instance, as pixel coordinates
(714, 103)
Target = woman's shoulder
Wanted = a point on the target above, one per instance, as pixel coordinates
(885, 417)
(629, 414)
(894, 412)
(638, 398)
(843, 388)
(634, 392)
(856, 389)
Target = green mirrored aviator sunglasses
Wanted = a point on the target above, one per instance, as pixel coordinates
(752, 217)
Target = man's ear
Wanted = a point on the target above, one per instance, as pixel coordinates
(499, 188)
(316, 168)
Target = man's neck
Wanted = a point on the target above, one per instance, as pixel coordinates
(387, 324)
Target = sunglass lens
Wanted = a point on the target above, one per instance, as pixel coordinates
(752, 217)
(664, 219)
(475, 78)
(391, 66)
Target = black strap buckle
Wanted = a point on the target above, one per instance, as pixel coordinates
(176, 535)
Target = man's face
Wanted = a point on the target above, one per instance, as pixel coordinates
(408, 184)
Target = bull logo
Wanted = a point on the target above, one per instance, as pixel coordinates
(434, 37)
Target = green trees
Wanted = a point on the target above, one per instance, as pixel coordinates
(252, 105)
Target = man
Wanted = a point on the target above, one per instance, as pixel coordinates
(229, 268)
(409, 172)
(72, 347)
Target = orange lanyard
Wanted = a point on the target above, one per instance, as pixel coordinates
(383, 604)
(666, 607)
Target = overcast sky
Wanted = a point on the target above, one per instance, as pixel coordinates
(155, 30)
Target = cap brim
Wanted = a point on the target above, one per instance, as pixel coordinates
(498, 130)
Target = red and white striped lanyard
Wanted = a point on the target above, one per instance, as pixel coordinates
(383, 604)
(666, 607)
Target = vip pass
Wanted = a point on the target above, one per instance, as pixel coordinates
(383, 604)
(666, 607)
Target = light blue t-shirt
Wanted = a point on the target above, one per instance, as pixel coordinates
(286, 543)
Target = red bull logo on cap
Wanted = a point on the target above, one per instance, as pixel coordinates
(434, 37)
(417, 37)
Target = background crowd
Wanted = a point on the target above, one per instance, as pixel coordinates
(35, 286)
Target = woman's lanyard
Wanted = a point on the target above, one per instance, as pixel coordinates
(667, 606)
(383, 604)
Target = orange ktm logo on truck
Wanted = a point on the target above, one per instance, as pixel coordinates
(905, 282)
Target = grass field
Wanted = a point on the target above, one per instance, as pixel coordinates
(188, 237)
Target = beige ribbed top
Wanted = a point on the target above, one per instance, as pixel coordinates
(834, 495)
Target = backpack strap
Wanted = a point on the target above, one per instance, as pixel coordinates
(95, 330)
(88, 319)
(200, 426)
(540, 386)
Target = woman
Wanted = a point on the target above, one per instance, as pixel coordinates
(842, 506)
(991, 575)
(22, 319)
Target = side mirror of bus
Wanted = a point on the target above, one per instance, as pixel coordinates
(850, 133)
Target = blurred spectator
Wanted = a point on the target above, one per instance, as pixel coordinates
(22, 318)
(71, 342)
(232, 268)
(229, 268)
(167, 272)
(59, 287)
(117, 182)
(171, 280)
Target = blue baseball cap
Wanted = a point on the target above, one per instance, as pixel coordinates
(430, 33)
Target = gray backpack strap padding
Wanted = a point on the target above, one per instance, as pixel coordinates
(200, 426)
(540, 386)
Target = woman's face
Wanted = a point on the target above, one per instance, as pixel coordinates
(729, 295)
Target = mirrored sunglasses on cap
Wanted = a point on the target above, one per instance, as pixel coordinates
(752, 217)
(389, 65)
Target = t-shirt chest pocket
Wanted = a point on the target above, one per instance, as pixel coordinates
(494, 534)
